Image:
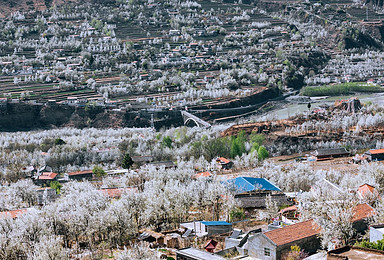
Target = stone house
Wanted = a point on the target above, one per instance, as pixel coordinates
(274, 244)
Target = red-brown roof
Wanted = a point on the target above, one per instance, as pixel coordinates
(79, 173)
(362, 211)
(366, 189)
(292, 233)
(202, 174)
(377, 151)
(47, 176)
(116, 193)
(291, 208)
(211, 244)
(12, 213)
(223, 160)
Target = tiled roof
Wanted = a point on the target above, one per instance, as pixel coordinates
(116, 193)
(377, 151)
(47, 176)
(291, 208)
(203, 174)
(362, 211)
(292, 233)
(366, 190)
(12, 213)
(79, 173)
(223, 160)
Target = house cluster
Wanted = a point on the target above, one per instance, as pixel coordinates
(276, 240)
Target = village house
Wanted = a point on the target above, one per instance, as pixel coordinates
(330, 153)
(375, 155)
(46, 178)
(13, 213)
(368, 193)
(80, 175)
(274, 244)
(202, 174)
(362, 214)
(46, 195)
(207, 228)
(224, 163)
(252, 192)
(151, 237)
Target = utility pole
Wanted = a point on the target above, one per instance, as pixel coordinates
(152, 122)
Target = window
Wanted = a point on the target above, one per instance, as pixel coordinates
(267, 251)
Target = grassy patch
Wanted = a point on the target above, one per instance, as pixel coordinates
(340, 89)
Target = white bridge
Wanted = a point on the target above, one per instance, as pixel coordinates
(188, 117)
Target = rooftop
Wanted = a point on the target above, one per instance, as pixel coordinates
(246, 184)
(80, 173)
(216, 223)
(47, 176)
(292, 233)
(13, 213)
(198, 254)
(362, 211)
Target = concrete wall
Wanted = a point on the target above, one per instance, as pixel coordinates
(212, 230)
(257, 200)
(309, 245)
(256, 245)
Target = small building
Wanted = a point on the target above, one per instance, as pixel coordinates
(368, 193)
(274, 244)
(46, 178)
(207, 228)
(331, 153)
(141, 160)
(46, 195)
(210, 246)
(80, 175)
(152, 237)
(352, 252)
(13, 213)
(362, 214)
(376, 232)
(248, 184)
(252, 192)
(165, 164)
(191, 253)
(375, 155)
(202, 174)
(224, 163)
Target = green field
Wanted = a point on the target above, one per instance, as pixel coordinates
(340, 89)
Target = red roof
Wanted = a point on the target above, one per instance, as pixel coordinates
(116, 193)
(362, 211)
(377, 151)
(79, 173)
(12, 213)
(291, 208)
(366, 189)
(211, 244)
(47, 176)
(223, 160)
(292, 233)
(202, 174)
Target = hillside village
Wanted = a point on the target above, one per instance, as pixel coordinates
(155, 130)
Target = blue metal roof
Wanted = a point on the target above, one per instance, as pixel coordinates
(216, 223)
(245, 184)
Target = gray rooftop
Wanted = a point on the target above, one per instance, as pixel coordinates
(198, 254)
